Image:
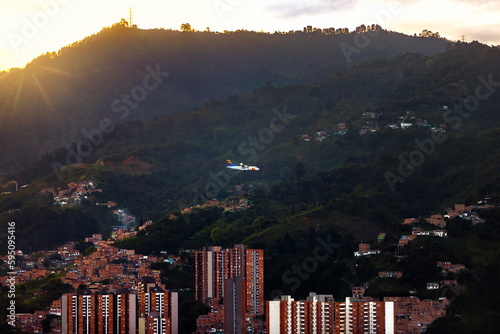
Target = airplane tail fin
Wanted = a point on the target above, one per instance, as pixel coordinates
(229, 163)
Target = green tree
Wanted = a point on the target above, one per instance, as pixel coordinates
(124, 22)
(220, 135)
(299, 170)
(248, 231)
(315, 91)
(216, 235)
(186, 27)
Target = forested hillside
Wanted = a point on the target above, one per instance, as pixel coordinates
(162, 166)
(345, 153)
(61, 96)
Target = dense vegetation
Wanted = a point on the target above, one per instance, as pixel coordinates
(59, 95)
(162, 166)
(345, 189)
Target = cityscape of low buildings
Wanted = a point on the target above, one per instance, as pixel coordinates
(117, 291)
(448, 267)
(458, 211)
(413, 315)
(75, 192)
(405, 239)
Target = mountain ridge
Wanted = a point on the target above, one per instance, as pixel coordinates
(162, 166)
(57, 96)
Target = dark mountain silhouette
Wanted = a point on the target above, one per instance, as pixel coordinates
(60, 96)
(335, 187)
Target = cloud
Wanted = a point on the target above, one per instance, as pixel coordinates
(295, 8)
(478, 2)
(478, 5)
(486, 36)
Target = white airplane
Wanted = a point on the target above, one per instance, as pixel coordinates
(241, 166)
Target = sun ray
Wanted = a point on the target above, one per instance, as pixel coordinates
(18, 92)
(42, 92)
(54, 70)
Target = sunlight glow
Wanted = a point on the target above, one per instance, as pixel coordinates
(18, 93)
(33, 27)
(43, 93)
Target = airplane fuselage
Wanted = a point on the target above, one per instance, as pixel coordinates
(241, 167)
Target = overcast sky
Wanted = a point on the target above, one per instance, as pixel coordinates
(32, 27)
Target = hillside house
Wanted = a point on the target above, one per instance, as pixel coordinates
(390, 274)
(409, 221)
(448, 267)
(365, 249)
(437, 220)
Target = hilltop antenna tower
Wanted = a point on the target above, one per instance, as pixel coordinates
(130, 18)
(463, 38)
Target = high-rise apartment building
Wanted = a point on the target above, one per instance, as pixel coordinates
(235, 306)
(360, 316)
(214, 265)
(153, 311)
(158, 311)
(254, 280)
(212, 268)
(87, 313)
(320, 314)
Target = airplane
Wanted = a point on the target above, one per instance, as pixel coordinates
(241, 166)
